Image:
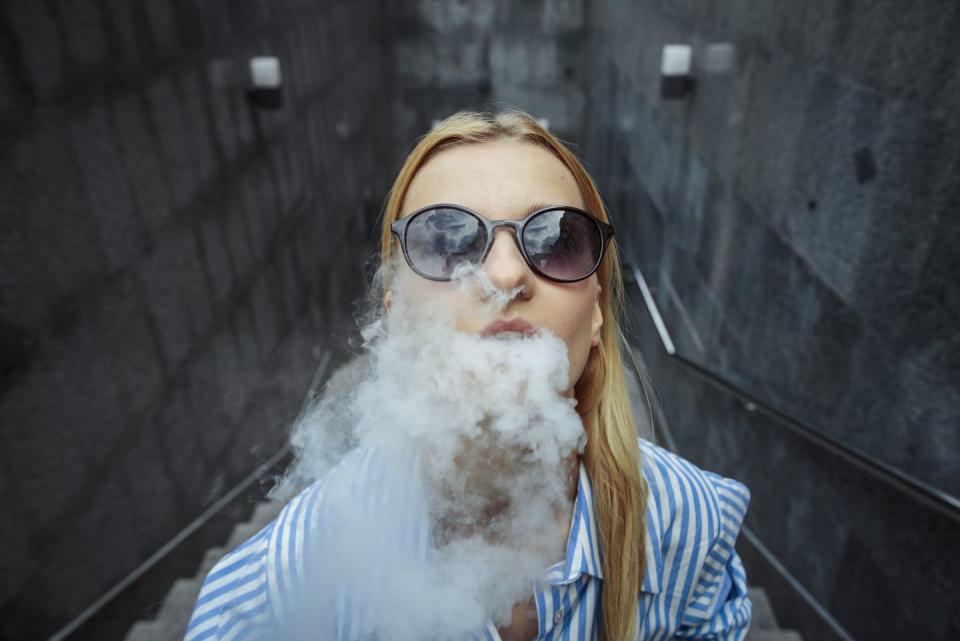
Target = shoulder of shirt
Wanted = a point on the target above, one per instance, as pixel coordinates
(234, 593)
(251, 585)
(687, 504)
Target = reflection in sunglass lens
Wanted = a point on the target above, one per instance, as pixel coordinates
(562, 244)
(440, 239)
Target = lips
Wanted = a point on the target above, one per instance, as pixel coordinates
(513, 325)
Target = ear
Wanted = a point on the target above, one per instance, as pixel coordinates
(597, 321)
(388, 299)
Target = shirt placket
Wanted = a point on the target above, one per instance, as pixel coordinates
(555, 600)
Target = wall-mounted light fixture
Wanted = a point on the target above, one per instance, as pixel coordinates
(719, 58)
(676, 77)
(266, 82)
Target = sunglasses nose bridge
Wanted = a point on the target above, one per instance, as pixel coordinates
(504, 264)
(510, 225)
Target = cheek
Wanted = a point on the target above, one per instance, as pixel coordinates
(578, 327)
(578, 348)
(575, 319)
(574, 313)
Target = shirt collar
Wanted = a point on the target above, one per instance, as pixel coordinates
(583, 554)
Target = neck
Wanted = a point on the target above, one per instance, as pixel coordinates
(494, 509)
(571, 474)
(571, 466)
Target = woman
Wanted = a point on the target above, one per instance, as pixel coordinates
(652, 534)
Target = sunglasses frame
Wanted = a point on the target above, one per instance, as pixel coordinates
(399, 229)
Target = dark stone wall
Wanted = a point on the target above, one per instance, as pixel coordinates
(796, 219)
(173, 264)
(805, 204)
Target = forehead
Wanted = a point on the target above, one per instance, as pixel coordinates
(498, 179)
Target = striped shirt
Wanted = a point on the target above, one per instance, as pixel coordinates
(694, 585)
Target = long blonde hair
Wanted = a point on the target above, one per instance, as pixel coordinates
(611, 456)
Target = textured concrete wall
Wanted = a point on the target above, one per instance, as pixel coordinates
(807, 204)
(172, 264)
(797, 219)
(453, 55)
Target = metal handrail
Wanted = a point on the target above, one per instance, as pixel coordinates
(893, 476)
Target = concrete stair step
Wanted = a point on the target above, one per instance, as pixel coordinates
(210, 558)
(772, 635)
(178, 605)
(763, 625)
(263, 513)
(763, 616)
(150, 631)
(241, 533)
(266, 512)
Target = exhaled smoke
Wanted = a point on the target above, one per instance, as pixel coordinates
(444, 462)
(474, 282)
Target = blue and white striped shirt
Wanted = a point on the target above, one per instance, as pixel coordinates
(694, 585)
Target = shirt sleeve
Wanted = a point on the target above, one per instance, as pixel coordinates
(719, 607)
(233, 598)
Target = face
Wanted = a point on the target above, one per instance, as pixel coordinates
(504, 179)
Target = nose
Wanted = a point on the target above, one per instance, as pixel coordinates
(504, 263)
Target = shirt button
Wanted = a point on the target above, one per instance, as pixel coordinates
(558, 617)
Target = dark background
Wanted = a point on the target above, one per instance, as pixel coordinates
(175, 261)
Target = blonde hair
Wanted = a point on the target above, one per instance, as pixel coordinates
(611, 456)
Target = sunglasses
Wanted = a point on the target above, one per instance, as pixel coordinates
(562, 243)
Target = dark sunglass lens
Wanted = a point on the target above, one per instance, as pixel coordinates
(563, 244)
(440, 239)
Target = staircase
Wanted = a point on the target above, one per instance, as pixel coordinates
(171, 620)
